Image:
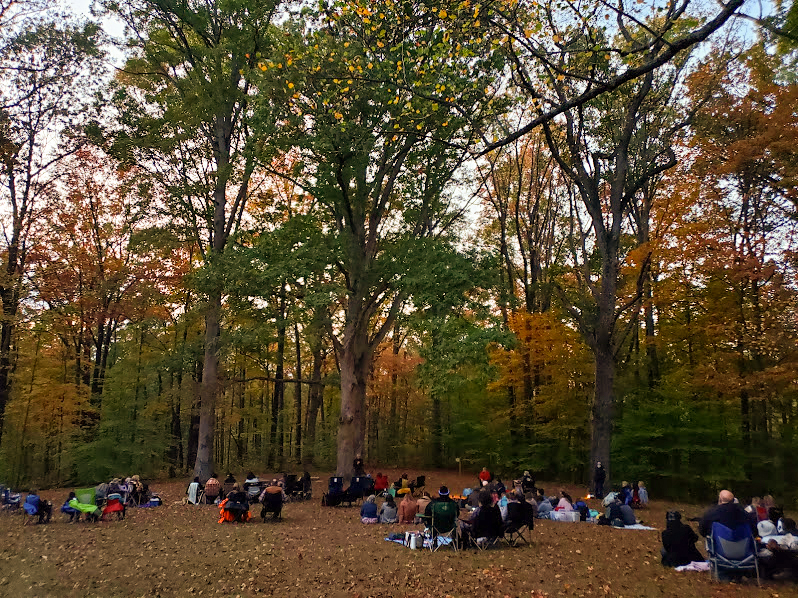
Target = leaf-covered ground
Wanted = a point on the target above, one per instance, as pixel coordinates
(177, 550)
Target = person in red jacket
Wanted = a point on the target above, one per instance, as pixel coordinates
(484, 475)
(381, 483)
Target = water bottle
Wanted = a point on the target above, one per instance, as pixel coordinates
(413, 544)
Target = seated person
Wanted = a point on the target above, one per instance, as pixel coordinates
(566, 503)
(137, 490)
(114, 486)
(626, 493)
(252, 487)
(408, 509)
(237, 504)
(230, 479)
(614, 514)
(101, 492)
(272, 498)
(368, 512)
(484, 475)
(193, 491)
(473, 498)
(544, 505)
(642, 494)
(519, 512)
(778, 561)
(499, 487)
(389, 513)
(92, 511)
(34, 505)
(212, 488)
(440, 516)
(527, 482)
(381, 483)
(422, 503)
(74, 514)
(726, 512)
(628, 515)
(678, 542)
(487, 521)
(307, 483)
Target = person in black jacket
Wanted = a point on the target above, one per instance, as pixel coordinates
(678, 542)
(599, 477)
(726, 512)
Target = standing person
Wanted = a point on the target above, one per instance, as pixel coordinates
(599, 477)
(357, 466)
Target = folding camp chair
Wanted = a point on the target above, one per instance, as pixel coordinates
(520, 522)
(38, 508)
(86, 496)
(732, 550)
(443, 524)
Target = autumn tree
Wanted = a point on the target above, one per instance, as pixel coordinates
(378, 155)
(186, 117)
(49, 70)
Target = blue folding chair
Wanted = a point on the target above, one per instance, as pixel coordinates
(732, 550)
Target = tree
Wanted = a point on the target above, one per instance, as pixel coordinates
(377, 96)
(185, 111)
(50, 70)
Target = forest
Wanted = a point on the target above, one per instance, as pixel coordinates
(522, 234)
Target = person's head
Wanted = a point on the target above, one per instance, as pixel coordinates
(541, 493)
(379, 475)
(725, 496)
(408, 497)
(598, 464)
(34, 490)
(250, 475)
(443, 491)
(236, 487)
(641, 484)
(768, 501)
(484, 482)
(755, 501)
(566, 496)
(371, 498)
(788, 526)
(484, 469)
(425, 494)
(136, 478)
(229, 475)
(404, 476)
(526, 473)
(196, 479)
(71, 496)
(673, 519)
(389, 499)
(213, 475)
(485, 499)
(624, 484)
(274, 481)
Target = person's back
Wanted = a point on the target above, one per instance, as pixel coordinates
(726, 512)
(627, 515)
(368, 512)
(487, 523)
(407, 509)
(389, 512)
(422, 503)
(614, 511)
(678, 542)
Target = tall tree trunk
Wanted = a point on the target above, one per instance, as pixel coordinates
(315, 397)
(204, 463)
(298, 425)
(355, 357)
(276, 453)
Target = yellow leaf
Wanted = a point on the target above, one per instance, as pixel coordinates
(555, 38)
(338, 115)
(442, 14)
(370, 65)
(418, 127)
(290, 85)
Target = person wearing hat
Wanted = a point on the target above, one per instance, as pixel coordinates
(678, 542)
(527, 482)
(443, 496)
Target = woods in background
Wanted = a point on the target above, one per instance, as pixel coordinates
(267, 243)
